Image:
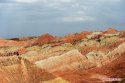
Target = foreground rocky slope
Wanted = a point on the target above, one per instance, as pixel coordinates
(86, 57)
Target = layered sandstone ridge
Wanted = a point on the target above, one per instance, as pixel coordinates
(85, 57)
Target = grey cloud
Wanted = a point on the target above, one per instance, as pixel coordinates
(58, 17)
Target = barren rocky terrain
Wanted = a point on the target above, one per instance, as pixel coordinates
(86, 57)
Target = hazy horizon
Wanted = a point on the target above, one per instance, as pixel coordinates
(21, 18)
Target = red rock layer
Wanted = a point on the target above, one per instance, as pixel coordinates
(44, 39)
(111, 31)
(76, 37)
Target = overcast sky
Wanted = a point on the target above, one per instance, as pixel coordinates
(20, 18)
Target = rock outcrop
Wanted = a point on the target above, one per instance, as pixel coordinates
(44, 39)
(111, 31)
(68, 61)
(86, 57)
(75, 37)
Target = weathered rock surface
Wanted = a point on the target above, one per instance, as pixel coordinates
(23, 72)
(86, 57)
(44, 39)
(68, 61)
